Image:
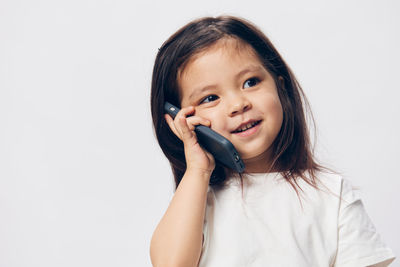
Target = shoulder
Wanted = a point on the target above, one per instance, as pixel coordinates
(331, 194)
(329, 186)
(348, 195)
(337, 185)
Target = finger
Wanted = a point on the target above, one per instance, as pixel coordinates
(192, 121)
(184, 112)
(171, 125)
(195, 120)
(180, 121)
(183, 125)
(187, 134)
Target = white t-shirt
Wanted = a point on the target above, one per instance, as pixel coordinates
(265, 225)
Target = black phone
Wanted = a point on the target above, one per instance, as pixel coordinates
(221, 148)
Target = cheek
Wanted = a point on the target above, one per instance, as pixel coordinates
(206, 114)
(277, 109)
(218, 123)
(273, 109)
(216, 118)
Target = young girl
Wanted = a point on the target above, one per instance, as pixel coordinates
(285, 210)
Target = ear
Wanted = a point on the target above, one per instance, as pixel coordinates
(281, 82)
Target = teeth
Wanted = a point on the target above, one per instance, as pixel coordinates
(247, 126)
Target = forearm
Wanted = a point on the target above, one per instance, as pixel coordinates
(177, 240)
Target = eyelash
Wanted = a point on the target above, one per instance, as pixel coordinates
(207, 98)
(252, 79)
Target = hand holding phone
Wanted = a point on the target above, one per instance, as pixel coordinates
(221, 148)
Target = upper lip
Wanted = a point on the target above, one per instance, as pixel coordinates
(243, 124)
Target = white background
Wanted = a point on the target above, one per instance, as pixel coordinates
(82, 179)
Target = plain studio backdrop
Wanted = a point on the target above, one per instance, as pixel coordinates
(82, 179)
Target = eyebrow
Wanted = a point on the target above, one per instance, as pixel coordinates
(250, 68)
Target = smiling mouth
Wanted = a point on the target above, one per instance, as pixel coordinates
(247, 126)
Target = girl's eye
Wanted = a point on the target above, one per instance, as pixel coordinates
(209, 98)
(251, 82)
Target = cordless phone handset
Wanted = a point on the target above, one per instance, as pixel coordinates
(221, 148)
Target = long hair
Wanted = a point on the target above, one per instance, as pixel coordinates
(292, 149)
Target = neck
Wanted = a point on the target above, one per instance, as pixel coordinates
(259, 164)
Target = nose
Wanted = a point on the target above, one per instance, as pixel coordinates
(238, 104)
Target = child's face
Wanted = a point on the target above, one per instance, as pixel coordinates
(228, 85)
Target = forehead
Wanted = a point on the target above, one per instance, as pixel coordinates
(238, 52)
(230, 45)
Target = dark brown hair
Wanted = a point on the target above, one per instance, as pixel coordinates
(292, 150)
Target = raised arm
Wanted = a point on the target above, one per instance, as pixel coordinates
(177, 240)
